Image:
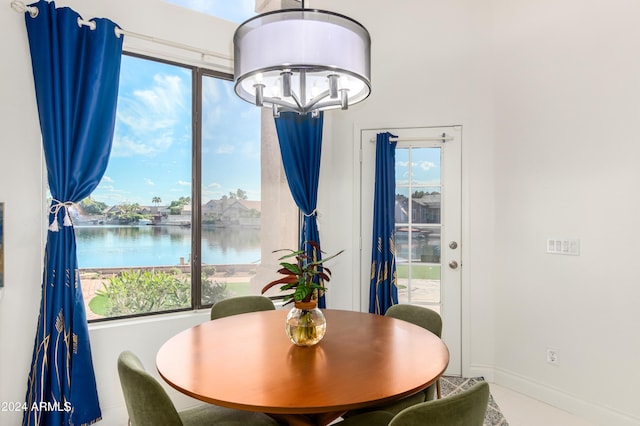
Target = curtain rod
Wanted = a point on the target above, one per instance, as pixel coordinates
(20, 7)
(443, 138)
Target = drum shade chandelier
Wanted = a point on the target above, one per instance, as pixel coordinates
(302, 60)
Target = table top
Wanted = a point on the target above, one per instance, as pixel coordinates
(247, 362)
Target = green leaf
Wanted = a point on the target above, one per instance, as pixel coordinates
(292, 268)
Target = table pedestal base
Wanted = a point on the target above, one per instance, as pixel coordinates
(319, 419)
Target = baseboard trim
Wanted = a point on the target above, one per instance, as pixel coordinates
(591, 411)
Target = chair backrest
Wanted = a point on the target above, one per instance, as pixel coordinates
(418, 315)
(467, 408)
(241, 305)
(148, 404)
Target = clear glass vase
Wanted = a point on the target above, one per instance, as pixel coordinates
(305, 324)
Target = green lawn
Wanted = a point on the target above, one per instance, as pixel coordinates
(429, 272)
(239, 289)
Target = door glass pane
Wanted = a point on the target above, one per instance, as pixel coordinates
(402, 205)
(428, 244)
(402, 167)
(419, 284)
(417, 244)
(425, 204)
(425, 166)
(418, 224)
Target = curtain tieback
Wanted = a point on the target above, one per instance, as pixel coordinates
(313, 213)
(55, 208)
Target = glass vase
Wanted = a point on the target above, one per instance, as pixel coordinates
(305, 324)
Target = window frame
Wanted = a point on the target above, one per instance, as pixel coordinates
(198, 73)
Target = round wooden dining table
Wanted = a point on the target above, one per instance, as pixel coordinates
(247, 362)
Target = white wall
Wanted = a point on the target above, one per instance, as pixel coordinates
(547, 94)
(567, 97)
(21, 191)
(429, 68)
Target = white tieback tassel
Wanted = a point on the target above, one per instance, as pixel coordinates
(313, 213)
(55, 208)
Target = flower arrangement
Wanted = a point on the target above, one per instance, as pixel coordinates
(306, 276)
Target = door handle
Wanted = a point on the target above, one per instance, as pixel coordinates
(453, 264)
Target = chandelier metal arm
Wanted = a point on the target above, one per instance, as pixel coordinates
(308, 107)
(318, 102)
(295, 97)
(281, 102)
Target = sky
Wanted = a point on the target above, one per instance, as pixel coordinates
(424, 164)
(231, 10)
(151, 152)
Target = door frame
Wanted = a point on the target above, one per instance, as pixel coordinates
(360, 292)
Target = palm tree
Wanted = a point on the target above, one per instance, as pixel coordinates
(156, 200)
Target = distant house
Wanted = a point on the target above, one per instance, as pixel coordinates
(112, 214)
(227, 212)
(425, 209)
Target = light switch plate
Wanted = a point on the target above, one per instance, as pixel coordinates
(566, 246)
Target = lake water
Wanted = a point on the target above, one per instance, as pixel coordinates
(130, 246)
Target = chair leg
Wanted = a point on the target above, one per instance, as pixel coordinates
(438, 389)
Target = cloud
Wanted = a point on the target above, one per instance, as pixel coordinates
(149, 119)
(250, 149)
(183, 183)
(424, 165)
(130, 145)
(105, 179)
(427, 165)
(225, 149)
(210, 90)
(111, 195)
(213, 115)
(149, 182)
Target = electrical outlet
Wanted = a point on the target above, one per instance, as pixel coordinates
(552, 356)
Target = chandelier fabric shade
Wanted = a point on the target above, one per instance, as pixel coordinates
(302, 60)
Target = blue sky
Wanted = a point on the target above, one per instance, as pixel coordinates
(151, 153)
(231, 10)
(425, 168)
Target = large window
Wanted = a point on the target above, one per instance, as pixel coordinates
(175, 221)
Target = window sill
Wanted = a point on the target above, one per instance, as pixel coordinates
(186, 316)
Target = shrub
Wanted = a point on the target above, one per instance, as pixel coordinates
(137, 291)
(213, 291)
(208, 270)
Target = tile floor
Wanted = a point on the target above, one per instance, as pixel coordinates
(520, 410)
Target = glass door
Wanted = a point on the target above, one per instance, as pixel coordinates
(427, 223)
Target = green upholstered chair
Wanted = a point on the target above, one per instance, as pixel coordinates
(241, 305)
(467, 408)
(148, 404)
(425, 318)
